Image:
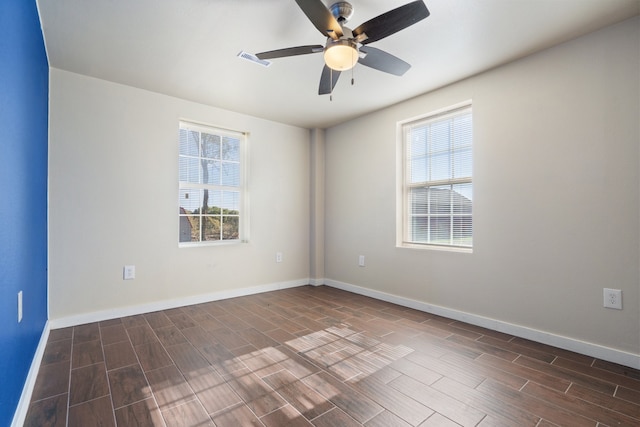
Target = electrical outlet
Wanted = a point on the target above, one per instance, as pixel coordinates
(613, 298)
(19, 306)
(278, 256)
(129, 272)
(361, 260)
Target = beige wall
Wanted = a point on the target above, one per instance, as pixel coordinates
(556, 195)
(113, 201)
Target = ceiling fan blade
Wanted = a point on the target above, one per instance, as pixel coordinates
(321, 17)
(328, 80)
(290, 51)
(391, 22)
(383, 61)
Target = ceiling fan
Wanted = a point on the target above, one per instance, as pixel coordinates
(345, 47)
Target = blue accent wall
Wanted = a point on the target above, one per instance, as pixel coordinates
(24, 109)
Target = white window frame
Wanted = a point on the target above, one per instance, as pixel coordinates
(404, 209)
(241, 188)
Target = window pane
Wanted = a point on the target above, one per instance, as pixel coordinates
(418, 172)
(231, 201)
(462, 163)
(462, 230)
(189, 228)
(440, 200)
(462, 131)
(418, 145)
(211, 228)
(440, 166)
(440, 230)
(211, 172)
(231, 174)
(215, 202)
(230, 228)
(462, 198)
(231, 149)
(418, 201)
(189, 200)
(189, 143)
(189, 169)
(420, 229)
(210, 146)
(440, 136)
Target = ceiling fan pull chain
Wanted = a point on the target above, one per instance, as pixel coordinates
(352, 79)
(331, 83)
(353, 62)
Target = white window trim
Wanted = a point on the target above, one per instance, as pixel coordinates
(244, 193)
(401, 190)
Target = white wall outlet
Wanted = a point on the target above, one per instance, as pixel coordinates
(613, 298)
(278, 256)
(129, 272)
(19, 306)
(361, 260)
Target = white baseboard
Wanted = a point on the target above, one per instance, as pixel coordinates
(25, 398)
(81, 319)
(316, 282)
(566, 343)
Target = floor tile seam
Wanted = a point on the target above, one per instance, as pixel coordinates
(572, 411)
(478, 404)
(106, 373)
(68, 403)
(130, 403)
(181, 401)
(47, 398)
(334, 408)
(546, 403)
(606, 407)
(169, 408)
(438, 410)
(90, 400)
(526, 378)
(144, 374)
(612, 364)
(614, 376)
(280, 408)
(219, 412)
(123, 366)
(89, 365)
(583, 375)
(75, 368)
(55, 340)
(626, 400)
(303, 383)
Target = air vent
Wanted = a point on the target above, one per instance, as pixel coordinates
(250, 57)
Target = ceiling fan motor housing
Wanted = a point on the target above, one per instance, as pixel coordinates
(342, 11)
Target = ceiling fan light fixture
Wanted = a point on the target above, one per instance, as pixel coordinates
(341, 55)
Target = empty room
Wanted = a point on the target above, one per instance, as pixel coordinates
(318, 213)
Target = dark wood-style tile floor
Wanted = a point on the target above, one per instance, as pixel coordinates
(318, 357)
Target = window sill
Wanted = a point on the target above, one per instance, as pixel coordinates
(441, 248)
(210, 243)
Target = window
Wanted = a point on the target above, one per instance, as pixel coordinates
(210, 184)
(437, 194)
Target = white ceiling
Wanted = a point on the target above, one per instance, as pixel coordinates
(188, 48)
